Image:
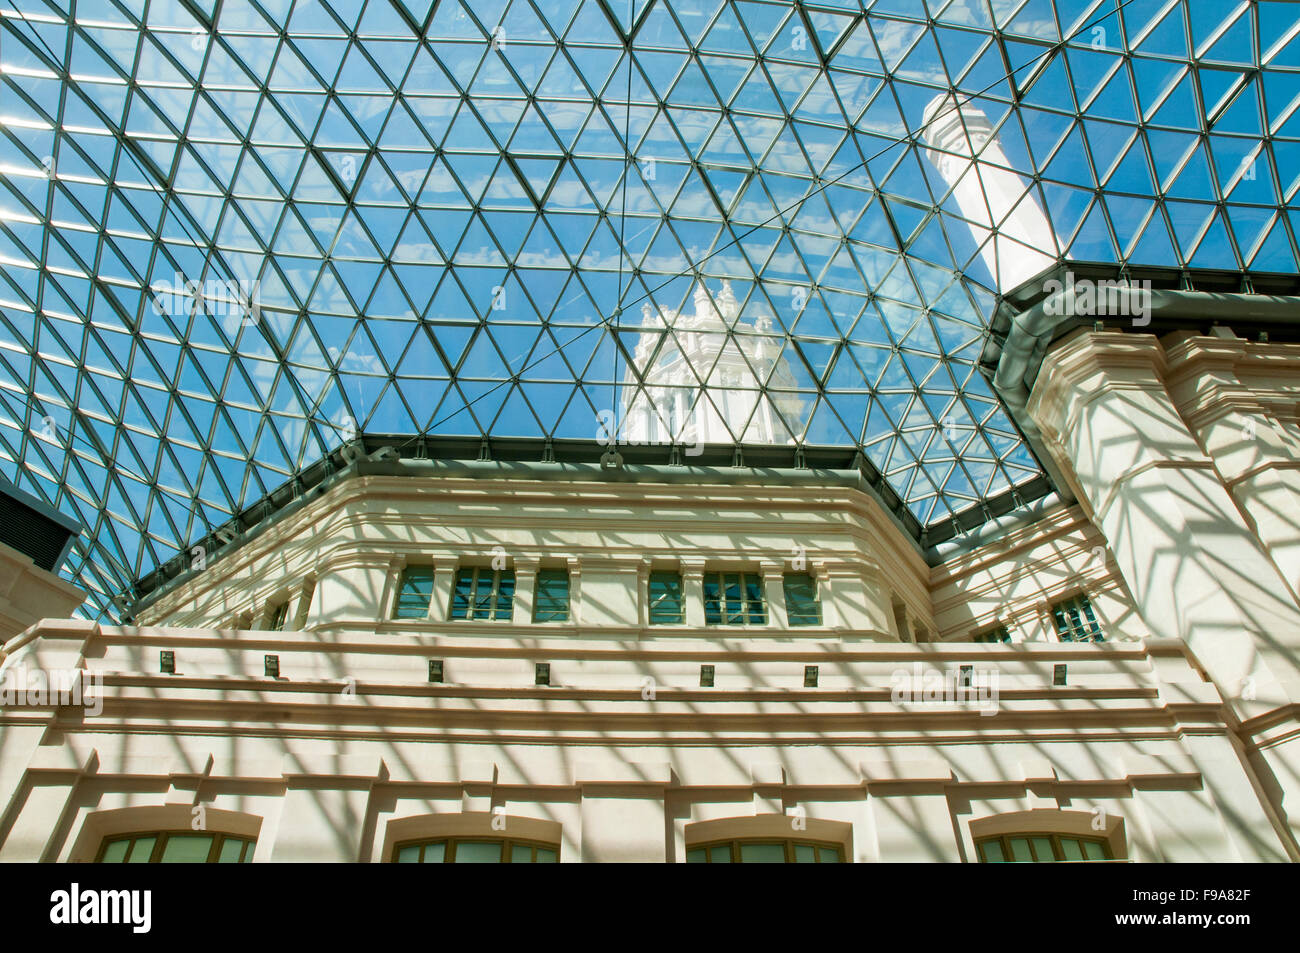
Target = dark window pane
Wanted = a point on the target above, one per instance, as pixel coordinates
(504, 582)
(414, 593)
(1076, 622)
(801, 605)
(666, 606)
(464, 591)
(712, 596)
(551, 598)
(754, 600)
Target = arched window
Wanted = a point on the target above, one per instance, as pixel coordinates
(476, 850)
(1041, 848)
(765, 851)
(165, 834)
(1048, 836)
(176, 847)
(769, 839)
(472, 837)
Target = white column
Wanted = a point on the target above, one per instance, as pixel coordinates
(1015, 238)
(1196, 570)
(1257, 459)
(525, 588)
(693, 591)
(774, 595)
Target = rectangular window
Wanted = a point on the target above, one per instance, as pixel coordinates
(1075, 621)
(279, 616)
(734, 598)
(801, 605)
(551, 597)
(414, 593)
(666, 604)
(483, 594)
(997, 633)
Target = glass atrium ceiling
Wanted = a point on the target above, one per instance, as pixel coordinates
(234, 232)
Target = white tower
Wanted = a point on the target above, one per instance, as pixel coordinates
(733, 407)
(1015, 237)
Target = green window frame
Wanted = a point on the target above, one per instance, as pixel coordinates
(734, 598)
(176, 847)
(1041, 848)
(667, 606)
(551, 596)
(414, 593)
(475, 850)
(279, 616)
(765, 850)
(996, 633)
(802, 606)
(1075, 620)
(482, 593)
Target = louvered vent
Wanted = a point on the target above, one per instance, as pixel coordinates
(33, 529)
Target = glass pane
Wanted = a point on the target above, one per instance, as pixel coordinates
(415, 594)
(551, 602)
(805, 854)
(505, 584)
(754, 600)
(521, 854)
(828, 855)
(115, 852)
(712, 609)
(762, 853)
(801, 600)
(1093, 850)
(696, 855)
(187, 849)
(478, 852)
(231, 849)
(435, 853)
(991, 851)
(665, 598)
(1043, 852)
(141, 850)
(1020, 850)
(731, 593)
(483, 596)
(546, 855)
(720, 854)
(460, 598)
(1071, 849)
(409, 855)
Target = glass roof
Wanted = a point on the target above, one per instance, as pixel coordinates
(234, 232)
